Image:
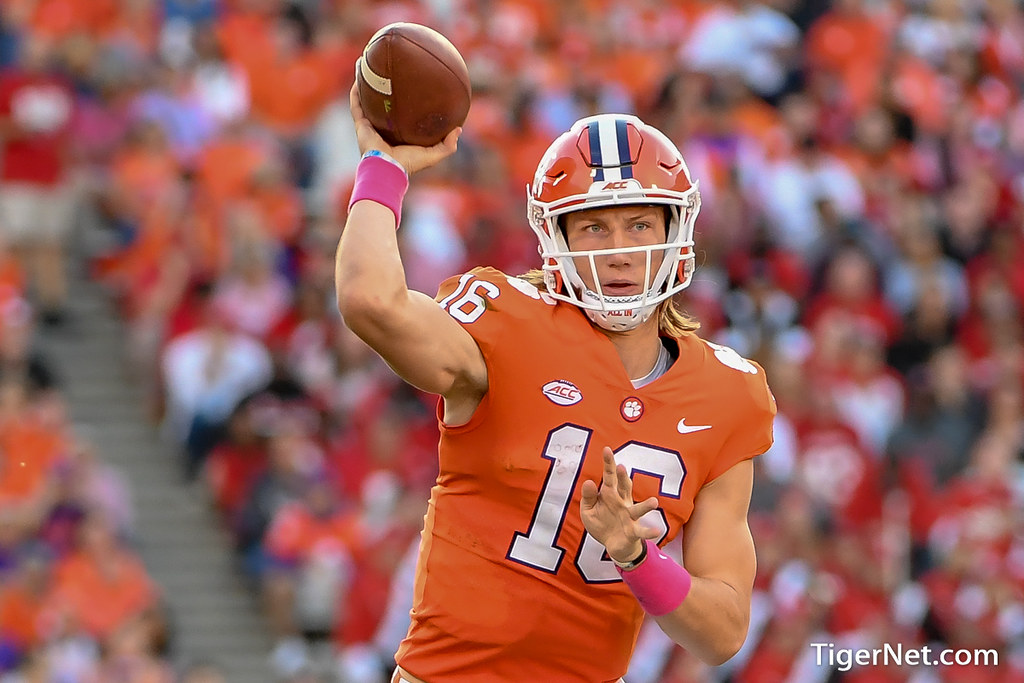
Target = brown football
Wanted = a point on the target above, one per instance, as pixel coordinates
(413, 85)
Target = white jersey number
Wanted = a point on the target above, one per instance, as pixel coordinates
(566, 448)
(466, 304)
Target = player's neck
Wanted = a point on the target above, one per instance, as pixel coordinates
(638, 348)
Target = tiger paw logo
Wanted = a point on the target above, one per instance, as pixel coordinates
(632, 409)
(728, 357)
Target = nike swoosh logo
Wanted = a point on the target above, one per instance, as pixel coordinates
(687, 429)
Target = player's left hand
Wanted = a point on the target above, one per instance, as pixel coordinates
(611, 516)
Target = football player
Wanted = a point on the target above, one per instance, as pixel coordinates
(584, 424)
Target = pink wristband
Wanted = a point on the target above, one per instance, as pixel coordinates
(659, 583)
(380, 180)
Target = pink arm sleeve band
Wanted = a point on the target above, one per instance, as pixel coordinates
(659, 583)
(380, 180)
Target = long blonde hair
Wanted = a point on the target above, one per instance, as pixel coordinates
(671, 321)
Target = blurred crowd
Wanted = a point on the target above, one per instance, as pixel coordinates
(861, 164)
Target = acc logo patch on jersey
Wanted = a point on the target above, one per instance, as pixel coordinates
(562, 392)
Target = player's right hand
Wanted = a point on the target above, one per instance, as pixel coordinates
(611, 515)
(412, 157)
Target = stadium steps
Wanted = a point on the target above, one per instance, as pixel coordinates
(213, 612)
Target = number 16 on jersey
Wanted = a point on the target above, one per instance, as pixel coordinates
(566, 449)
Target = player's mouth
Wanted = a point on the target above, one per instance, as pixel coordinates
(620, 288)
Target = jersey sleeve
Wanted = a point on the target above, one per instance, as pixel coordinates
(752, 430)
(491, 305)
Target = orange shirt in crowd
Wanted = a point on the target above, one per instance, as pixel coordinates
(12, 277)
(207, 239)
(61, 18)
(225, 168)
(133, 269)
(136, 22)
(245, 37)
(97, 602)
(338, 53)
(545, 17)
(288, 96)
(637, 70)
(920, 90)
(852, 46)
(29, 451)
(282, 210)
(21, 613)
(296, 534)
(141, 176)
(521, 150)
(758, 119)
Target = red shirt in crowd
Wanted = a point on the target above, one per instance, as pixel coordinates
(38, 107)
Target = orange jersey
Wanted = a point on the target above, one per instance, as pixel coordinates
(509, 585)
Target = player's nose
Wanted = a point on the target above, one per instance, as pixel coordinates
(619, 239)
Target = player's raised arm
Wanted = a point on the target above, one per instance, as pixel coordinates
(418, 339)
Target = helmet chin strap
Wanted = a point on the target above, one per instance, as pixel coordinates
(616, 321)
